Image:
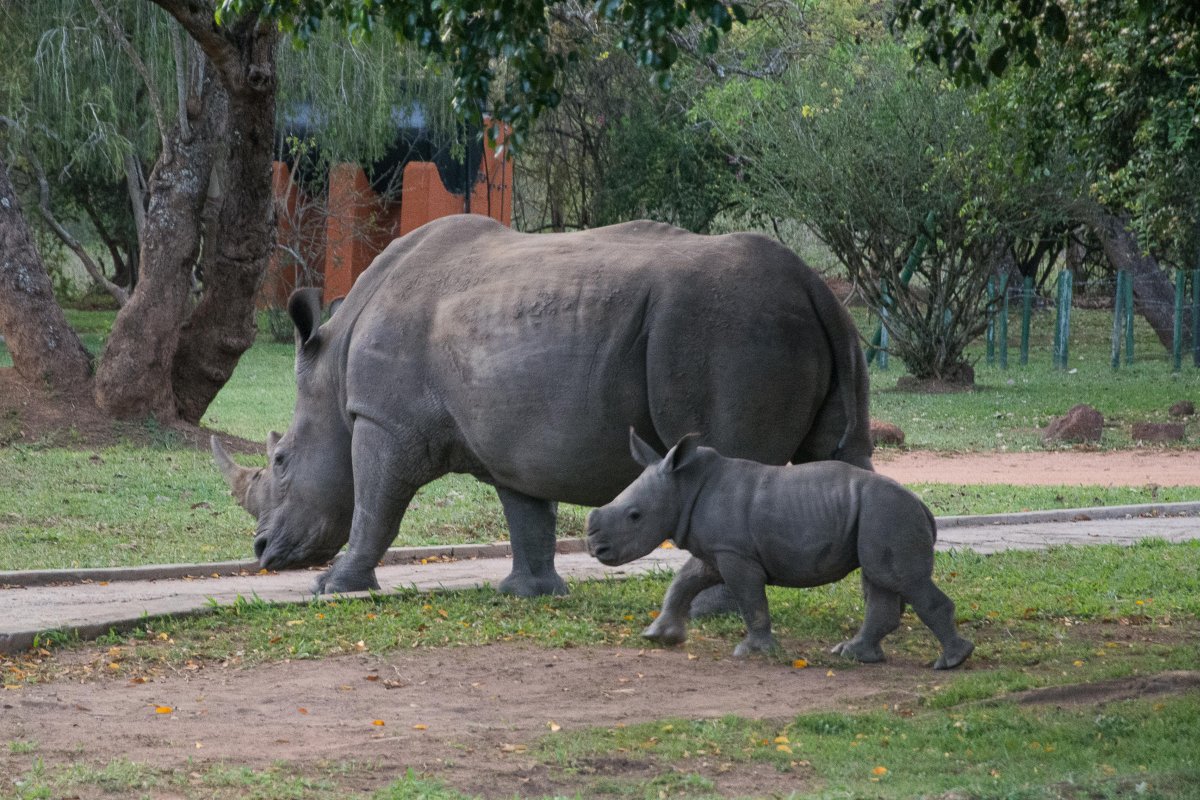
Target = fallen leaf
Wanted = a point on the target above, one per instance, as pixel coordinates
(783, 748)
(420, 726)
(372, 677)
(138, 679)
(879, 771)
(302, 710)
(799, 663)
(292, 622)
(553, 726)
(378, 722)
(163, 709)
(513, 748)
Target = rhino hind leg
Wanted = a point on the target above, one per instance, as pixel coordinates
(713, 601)
(936, 610)
(531, 524)
(884, 608)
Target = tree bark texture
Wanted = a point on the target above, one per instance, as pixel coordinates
(42, 345)
(236, 256)
(134, 375)
(1153, 289)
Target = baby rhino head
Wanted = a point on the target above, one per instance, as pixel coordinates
(647, 512)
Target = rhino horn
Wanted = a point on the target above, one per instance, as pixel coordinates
(237, 476)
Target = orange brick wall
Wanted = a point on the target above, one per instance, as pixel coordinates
(359, 224)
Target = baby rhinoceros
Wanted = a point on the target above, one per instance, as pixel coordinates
(748, 525)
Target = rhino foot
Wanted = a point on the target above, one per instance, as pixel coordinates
(755, 644)
(666, 631)
(329, 583)
(859, 651)
(525, 585)
(954, 655)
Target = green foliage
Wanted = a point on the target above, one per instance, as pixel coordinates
(501, 52)
(873, 157)
(1112, 82)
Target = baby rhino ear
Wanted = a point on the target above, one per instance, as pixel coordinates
(683, 453)
(643, 453)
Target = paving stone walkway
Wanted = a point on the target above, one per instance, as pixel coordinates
(91, 602)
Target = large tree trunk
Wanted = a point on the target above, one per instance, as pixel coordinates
(1153, 290)
(43, 347)
(223, 325)
(134, 375)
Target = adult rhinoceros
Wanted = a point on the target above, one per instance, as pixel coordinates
(523, 360)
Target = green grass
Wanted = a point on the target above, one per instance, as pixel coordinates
(1133, 749)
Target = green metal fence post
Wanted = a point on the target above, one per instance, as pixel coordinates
(1177, 327)
(1196, 318)
(1062, 327)
(1004, 322)
(1118, 319)
(1128, 306)
(1026, 313)
(991, 323)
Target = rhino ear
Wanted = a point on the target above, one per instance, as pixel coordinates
(304, 307)
(335, 304)
(682, 454)
(272, 442)
(643, 453)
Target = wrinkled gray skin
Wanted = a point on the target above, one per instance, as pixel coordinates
(522, 359)
(748, 525)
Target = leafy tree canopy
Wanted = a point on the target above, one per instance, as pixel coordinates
(1114, 81)
(500, 52)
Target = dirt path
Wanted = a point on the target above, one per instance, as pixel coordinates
(1046, 468)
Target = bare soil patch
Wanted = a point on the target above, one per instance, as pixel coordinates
(34, 415)
(1142, 467)
(465, 715)
(470, 716)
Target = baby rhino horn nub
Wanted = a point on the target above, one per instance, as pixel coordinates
(237, 476)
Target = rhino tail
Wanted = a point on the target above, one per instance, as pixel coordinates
(849, 378)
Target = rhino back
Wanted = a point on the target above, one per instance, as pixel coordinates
(526, 358)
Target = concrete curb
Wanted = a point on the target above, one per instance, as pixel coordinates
(406, 555)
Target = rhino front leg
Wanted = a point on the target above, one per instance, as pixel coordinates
(381, 496)
(531, 524)
(747, 584)
(693, 577)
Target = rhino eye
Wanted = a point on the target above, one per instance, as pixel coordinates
(635, 515)
(279, 459)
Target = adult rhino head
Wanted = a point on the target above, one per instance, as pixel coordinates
(303, 499)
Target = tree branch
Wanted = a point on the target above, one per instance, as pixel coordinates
(156, 105)
(89, 263)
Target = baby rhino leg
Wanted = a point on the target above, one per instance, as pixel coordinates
(936, 610)
(671, 625)
(884, 608)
